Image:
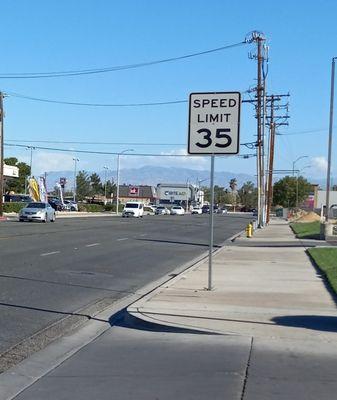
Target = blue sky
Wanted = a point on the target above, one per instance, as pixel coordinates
(68, 34)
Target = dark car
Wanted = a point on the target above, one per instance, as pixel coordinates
(17, 198)
(56, 204)
(205, 209)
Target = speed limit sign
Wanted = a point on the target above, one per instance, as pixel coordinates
(214, 123)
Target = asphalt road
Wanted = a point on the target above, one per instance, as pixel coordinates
(50, 270)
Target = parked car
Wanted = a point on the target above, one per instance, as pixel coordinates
(17, 198)
(56, 204)
(37, 211)
(161, 210)
(70, 205)
(205, 209)
(196, 210)
(177, 210)
(149, 210)
(222, 210)
(133, 209)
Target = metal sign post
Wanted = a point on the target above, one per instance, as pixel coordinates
(211, 220)
(214, 126)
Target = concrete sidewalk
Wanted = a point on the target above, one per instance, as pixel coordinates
(271, 324)
(267, 289)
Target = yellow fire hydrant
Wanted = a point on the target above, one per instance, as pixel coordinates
(249, 230)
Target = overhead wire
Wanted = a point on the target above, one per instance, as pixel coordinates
(74, 103)
(101, 152)
(96, 143)
(57, 74)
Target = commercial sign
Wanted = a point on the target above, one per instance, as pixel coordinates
(173, 193)
(133, 191)
(214, 123)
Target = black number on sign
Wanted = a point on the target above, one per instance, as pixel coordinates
(220, 135)
(207, 136)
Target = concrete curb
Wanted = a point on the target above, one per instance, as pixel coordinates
(135, 308)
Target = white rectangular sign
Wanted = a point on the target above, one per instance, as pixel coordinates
(214, 123)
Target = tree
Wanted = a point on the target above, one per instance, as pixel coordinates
(96, 185)
(17, 185)
(248, 195)
(110, 188)
(83, 187)
(291, 191)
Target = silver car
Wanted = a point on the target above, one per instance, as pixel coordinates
(37, 211)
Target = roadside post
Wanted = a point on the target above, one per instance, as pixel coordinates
(213, 129)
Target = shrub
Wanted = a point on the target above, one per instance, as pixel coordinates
(13, 207)
(112, 207)
(90, 207)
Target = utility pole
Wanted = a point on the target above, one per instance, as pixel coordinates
(259, 39)
(1, 155)
(328, 177)
(273, 121)
(271, 160)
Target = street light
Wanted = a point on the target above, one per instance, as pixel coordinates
(297, 159)
(328, 176)
(117, 194)
(75, 173)
(298, 172)
(105, 172)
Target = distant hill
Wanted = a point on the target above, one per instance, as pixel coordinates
(152, 175)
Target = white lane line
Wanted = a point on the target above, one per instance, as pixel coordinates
(49, 254)
(119, 240)
(143, 234)
(92, 244)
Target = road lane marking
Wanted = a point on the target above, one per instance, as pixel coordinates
(119, 240)
(143, 234)
(49, 254)
(92, 244)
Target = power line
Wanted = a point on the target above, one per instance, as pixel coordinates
(74, 103)
(303, 132)
(94, 152)
(96, 143)
(98, 152)
(57, 74)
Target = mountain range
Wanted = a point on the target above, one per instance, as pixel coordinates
(152, 175)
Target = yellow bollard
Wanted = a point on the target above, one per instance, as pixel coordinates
(249, 230)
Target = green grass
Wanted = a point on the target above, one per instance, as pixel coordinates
(306, 230)
(326, 261)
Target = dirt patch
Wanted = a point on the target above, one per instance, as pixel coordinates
(309, 217)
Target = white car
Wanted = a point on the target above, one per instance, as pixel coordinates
(133, 209)
(177, 210)
(161, 210)
(196, 210)
(149, 210)
(70, 205)
(37, 211)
